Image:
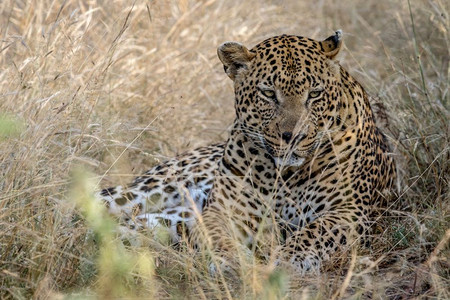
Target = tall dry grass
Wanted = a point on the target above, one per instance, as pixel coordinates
(115, 87)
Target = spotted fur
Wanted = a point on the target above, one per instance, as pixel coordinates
(170, 195)
(304, 159)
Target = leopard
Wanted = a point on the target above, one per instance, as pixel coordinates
(304, 159)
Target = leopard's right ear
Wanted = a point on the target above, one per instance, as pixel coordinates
(332, 45)
(235, 57)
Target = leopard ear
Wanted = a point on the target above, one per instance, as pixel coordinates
(332, 44)
(235, 58)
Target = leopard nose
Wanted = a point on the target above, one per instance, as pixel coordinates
(286, 136)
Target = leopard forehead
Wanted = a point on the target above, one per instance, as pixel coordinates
(284, 44)
(292, 63)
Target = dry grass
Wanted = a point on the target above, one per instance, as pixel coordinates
(115, 87)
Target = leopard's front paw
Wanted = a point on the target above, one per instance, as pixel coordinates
(300, 262)
(221, 266)
(230, 263)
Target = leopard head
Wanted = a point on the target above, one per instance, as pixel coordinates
(287, 92)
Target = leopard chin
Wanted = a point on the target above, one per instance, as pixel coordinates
(292, 161)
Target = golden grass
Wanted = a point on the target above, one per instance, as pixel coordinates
(115, 87)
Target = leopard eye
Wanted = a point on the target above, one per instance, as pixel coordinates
(314, 94)
(268, 93)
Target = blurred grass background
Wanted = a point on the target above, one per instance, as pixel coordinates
(115, 87)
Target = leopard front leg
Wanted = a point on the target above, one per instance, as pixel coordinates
(222, 239)
(326, 236)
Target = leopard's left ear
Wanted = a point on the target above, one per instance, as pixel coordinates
(332, 44)
(235, 58)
